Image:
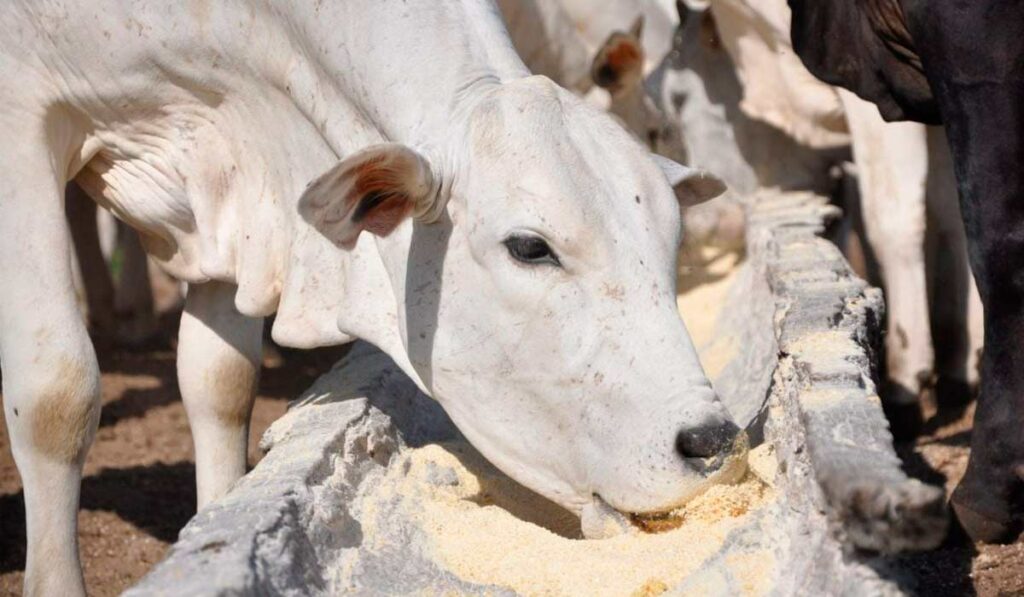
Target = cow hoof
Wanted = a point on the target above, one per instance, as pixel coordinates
(952, 393)
(980, 527)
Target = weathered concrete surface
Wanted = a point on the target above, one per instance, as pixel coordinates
(805, 380)
(828, 333)
(284, 525)
(824, 416)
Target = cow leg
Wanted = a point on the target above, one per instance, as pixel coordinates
(50, 376)
(975, 333)
(892, 165)
(951, 285)
(134, 291)
(99, 288)
(980, 93)
(218, 369)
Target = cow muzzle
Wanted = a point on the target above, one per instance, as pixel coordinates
(718, 452)
(707, 447)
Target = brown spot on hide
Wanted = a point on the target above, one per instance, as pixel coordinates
(232, 383)
(65, 411)
(614, 291)
(901, 335)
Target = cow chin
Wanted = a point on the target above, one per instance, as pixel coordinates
(602, 517)
(601, 455)
(698, 476)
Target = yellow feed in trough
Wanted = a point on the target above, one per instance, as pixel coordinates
(485, 528)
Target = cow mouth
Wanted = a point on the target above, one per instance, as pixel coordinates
(727, 468)
(600, 520)
(658, 522)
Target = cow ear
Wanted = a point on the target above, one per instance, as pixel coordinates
(709, 31)
(692, 186)
(620, 61)
(373, 190)
(637, 28)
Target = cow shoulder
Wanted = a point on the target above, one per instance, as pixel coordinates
(864, 47)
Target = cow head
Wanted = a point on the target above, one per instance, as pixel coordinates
(539, 307)
(618, 68)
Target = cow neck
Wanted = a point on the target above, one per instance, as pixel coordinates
(422, 97)
(410, 66)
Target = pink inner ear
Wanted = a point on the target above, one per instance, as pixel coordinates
(619, 58)
(371, 175)
(378, 202)
(385, 217)
(624, 55)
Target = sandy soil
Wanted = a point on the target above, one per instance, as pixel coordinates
(138, 489)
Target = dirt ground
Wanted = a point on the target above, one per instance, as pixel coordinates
(939, 457)
(138, 489)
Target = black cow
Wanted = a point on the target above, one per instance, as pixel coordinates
(960, 63)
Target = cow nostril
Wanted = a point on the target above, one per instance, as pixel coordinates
(707, 440)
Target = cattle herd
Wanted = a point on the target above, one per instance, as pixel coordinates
(518, 170)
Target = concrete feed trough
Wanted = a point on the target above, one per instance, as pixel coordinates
(367, 488)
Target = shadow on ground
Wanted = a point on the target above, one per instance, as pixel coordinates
(948, 569)
(157, 499)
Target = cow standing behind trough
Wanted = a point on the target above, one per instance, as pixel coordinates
(614, 54)
(696, 85)
(600, 51)
(905, 182)
(519, 266)
(960, 64)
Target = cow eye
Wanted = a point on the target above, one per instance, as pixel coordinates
(531, 250)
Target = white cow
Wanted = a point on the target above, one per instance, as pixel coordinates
(600, 52)
(907, 186)
(905, 176)
(697, 87)
(777, 89)
(560, 38)
(583, 43)
(519, 266)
